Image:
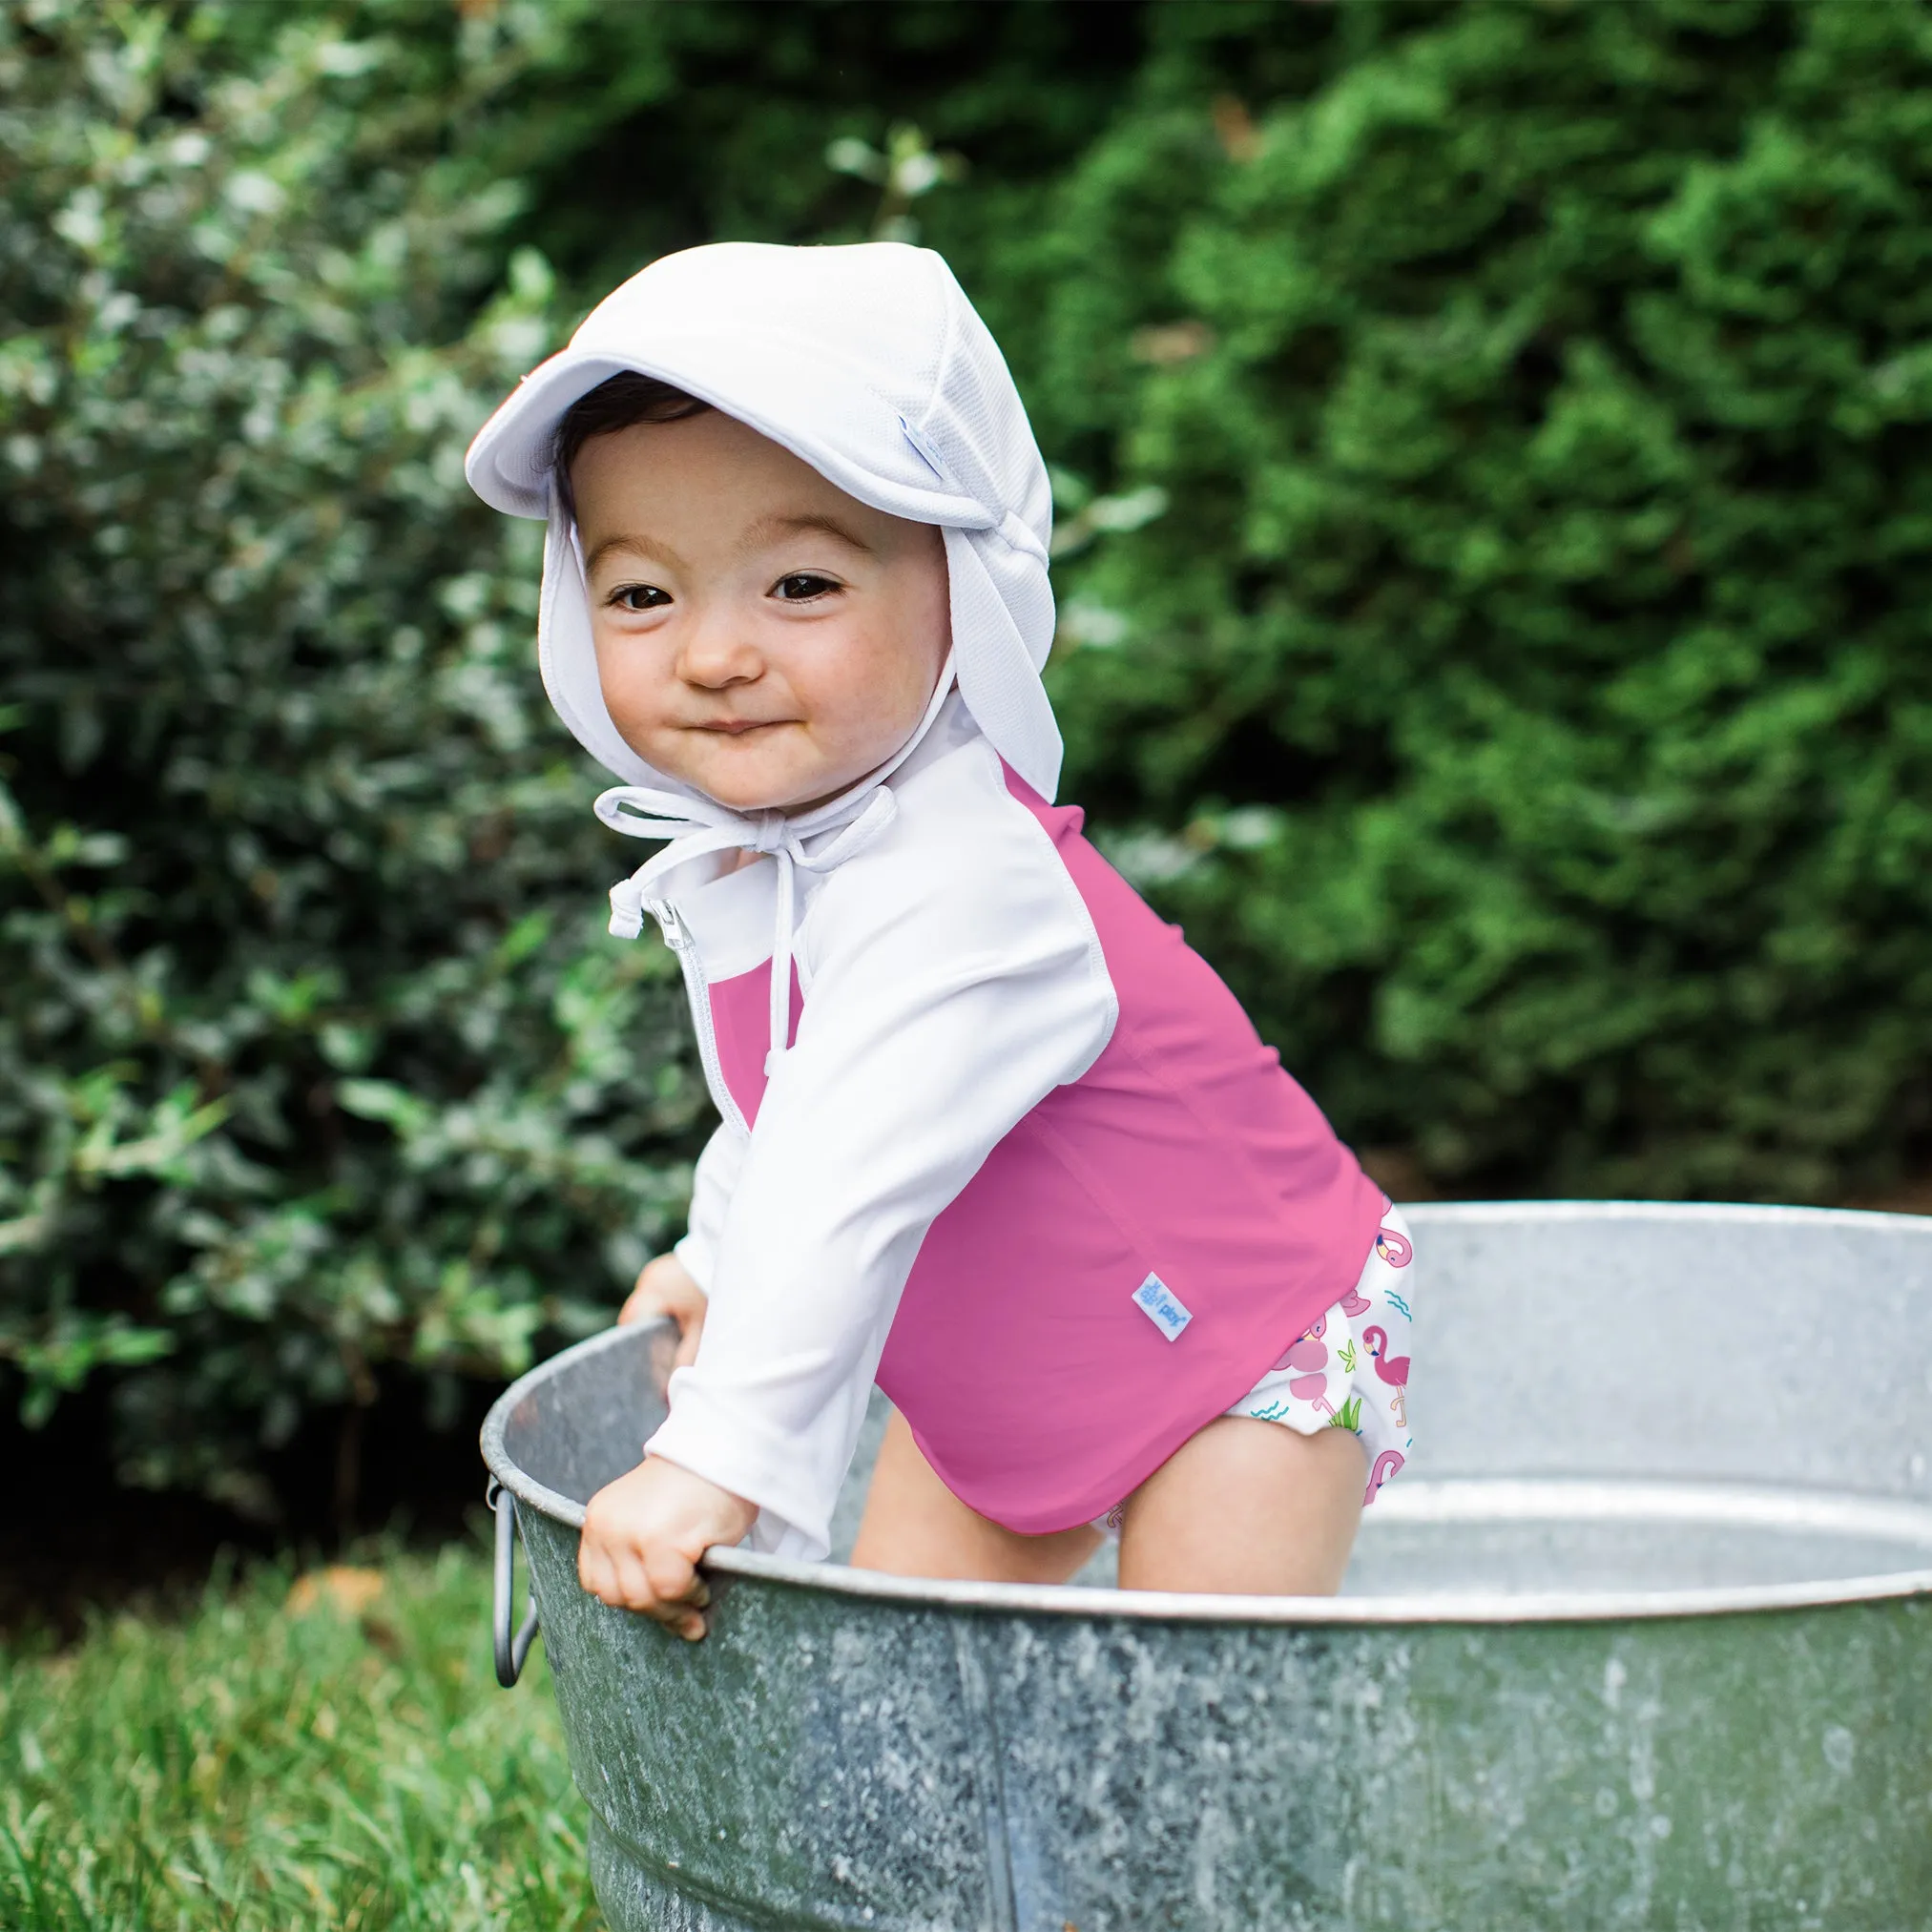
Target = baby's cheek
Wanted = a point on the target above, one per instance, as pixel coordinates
(635, 698)
(890, 679)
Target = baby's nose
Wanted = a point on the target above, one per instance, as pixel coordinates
(717, 653)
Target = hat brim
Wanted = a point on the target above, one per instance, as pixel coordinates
(758, 377)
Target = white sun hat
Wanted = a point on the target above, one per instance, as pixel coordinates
(869, 363)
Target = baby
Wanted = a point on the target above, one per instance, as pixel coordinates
(992, 1133)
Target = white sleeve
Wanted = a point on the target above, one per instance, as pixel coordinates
(711, 1183)
(948, 996)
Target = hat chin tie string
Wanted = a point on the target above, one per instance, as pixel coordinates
(696, 827)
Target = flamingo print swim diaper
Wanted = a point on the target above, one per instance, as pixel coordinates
(1351, 1370)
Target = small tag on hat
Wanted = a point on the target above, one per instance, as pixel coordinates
(1158, 1301)
(922, 446)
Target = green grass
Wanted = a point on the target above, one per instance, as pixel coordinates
(246, 1765)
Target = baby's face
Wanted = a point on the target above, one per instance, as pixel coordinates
(760, 634)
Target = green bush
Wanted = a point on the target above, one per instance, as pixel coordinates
(311, 1057)
(1527, 698)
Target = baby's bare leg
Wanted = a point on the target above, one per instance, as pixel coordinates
(914, 1525)
(1247, 1506)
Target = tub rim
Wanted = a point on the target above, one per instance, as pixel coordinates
(1475, 1608)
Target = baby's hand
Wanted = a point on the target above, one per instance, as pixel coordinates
(643, 1535)
(665, 1287)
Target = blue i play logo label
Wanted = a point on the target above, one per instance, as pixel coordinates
(1156, 1302)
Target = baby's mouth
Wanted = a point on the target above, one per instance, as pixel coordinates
(739, 727)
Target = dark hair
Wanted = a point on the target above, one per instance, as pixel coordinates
(612, 405)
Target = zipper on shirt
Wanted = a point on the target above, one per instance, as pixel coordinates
(698, 992)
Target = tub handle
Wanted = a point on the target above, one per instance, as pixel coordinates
(510, 1650)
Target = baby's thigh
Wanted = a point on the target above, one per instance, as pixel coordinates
(1248, 1507)
(914, 1525)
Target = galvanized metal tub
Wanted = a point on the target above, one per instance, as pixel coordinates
(1642, 1638)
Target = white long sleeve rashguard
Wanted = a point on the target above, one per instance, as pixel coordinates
(952, 978)
(712, 1182)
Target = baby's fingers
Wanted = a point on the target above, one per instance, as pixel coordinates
(618, 1578)
(682, 1618)
(643, 1535)
(682, 1592)
(684, 1615)
(674, 1586)
(595, 1573)
(664, 1287)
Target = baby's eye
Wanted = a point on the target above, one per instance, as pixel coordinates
(639, 597)
(802, 586)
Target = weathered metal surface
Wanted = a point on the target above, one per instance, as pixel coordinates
(1643, 1639)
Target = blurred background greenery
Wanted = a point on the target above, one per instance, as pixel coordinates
(1495, 564)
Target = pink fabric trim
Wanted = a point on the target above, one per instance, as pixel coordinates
(741, 1027)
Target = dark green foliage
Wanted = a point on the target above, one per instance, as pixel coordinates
(311, 1056)
(1493, 438)
(1530, 676)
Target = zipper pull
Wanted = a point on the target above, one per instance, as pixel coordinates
(677, 934)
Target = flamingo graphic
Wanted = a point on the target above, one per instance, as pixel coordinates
(1394, 1369)
(1308, 1351)
(1312, 1389)
(1393, 1248)
(1354, 1304)
(1385, 1466)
